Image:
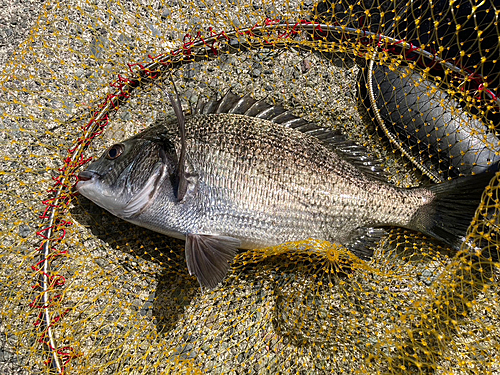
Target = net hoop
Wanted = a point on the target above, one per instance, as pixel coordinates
(272, 34)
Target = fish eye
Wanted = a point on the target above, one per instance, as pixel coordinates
(114, 151)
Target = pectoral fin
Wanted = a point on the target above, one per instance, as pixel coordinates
(209, 257)
(180, 180)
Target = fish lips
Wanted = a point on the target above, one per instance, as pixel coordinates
(86, 175)
(90, 186)
(84, 178)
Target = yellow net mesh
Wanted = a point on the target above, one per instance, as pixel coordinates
(84, 292)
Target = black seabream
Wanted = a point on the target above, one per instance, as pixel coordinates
(240, 173)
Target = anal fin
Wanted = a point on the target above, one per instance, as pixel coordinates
(364, 241)
(208, 257)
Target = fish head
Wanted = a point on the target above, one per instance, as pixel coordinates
(125, 178)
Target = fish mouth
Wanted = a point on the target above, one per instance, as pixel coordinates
(85, 177)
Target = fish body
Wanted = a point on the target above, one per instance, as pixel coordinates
(266, 185)
(252, 182)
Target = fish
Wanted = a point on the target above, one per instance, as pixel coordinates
(239, 173)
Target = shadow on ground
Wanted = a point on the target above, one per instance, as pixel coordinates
(175, 288)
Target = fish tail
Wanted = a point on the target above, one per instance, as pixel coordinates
(448, 216)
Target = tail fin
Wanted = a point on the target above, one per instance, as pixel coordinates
(448, 216)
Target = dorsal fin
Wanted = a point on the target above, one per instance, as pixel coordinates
(334, 140)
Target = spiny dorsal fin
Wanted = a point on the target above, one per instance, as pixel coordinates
(334, 140)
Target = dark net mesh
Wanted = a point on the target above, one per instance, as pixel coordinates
(416, 83)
